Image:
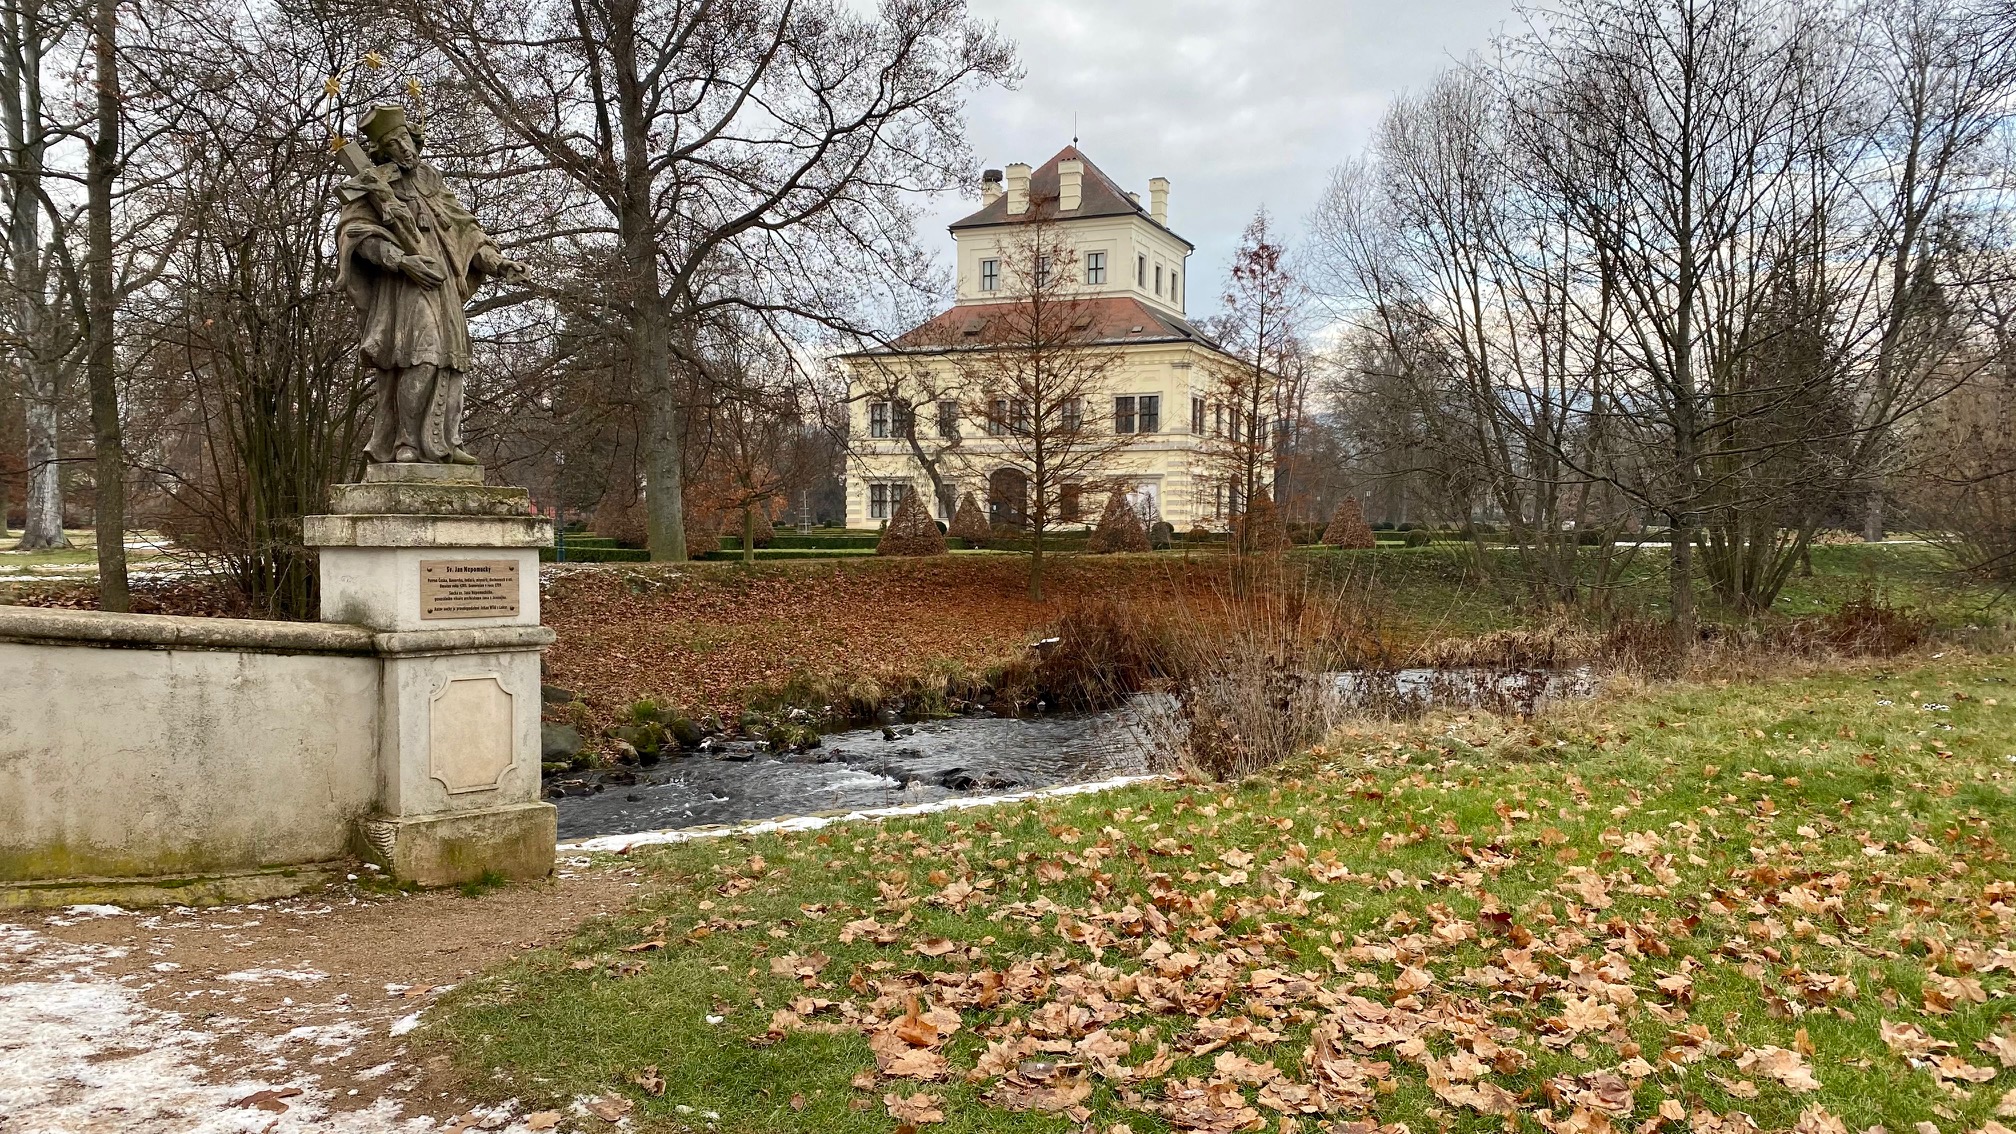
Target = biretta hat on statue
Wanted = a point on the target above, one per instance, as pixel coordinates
(382, 120)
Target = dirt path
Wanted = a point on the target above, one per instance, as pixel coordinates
(277, 1018)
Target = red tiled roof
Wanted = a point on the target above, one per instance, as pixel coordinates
(1099, 196)
(1108, 321)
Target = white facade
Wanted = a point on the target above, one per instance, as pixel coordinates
(1128, 258)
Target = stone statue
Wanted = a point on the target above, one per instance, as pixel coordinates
(410, 255)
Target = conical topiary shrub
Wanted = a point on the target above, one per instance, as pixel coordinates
(1348, 528)
(970, 523)
(911, 530)
(1119, 528)
(1259, 529)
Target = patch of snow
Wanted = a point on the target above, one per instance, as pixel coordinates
(81, 1054)
(405, 1024)
(619, 843)
(343, 1034)
(268, 976)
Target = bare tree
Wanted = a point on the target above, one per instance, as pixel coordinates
(247, 401)
(42, 335)
(1258, 380)
(737, 153)
(1037, 377)
(1693, 261)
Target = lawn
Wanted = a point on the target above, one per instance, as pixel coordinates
(1717, 907)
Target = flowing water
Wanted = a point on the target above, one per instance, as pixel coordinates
(736, 781)
(860, 768)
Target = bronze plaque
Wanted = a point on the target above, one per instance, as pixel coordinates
(468, 588)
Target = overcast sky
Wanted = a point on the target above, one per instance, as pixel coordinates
(1238, 103)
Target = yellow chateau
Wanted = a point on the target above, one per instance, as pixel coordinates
(1131, 268)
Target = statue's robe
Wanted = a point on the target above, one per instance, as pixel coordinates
(403, 324)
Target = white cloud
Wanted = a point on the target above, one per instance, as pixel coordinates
(1239, 104)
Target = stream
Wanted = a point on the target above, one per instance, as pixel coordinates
(736, 781)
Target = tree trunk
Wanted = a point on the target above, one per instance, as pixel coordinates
(100, 363)
(21, 105)
(1872, 517)
(1680, 584)
(42, 524)
(1036, 566)
(664, 427)
(749, 536)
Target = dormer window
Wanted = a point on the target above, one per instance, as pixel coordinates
(990, 275)
(1095, 267)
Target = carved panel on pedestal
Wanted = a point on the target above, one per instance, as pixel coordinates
(469, 733)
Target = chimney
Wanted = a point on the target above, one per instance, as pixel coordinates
(1018, 188)
(1158, 200)
(1070, 185)
(990, 187)
(1134, 197)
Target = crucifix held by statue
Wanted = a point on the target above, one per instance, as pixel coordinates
(410, 255)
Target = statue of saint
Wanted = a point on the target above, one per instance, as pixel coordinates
(410, 255)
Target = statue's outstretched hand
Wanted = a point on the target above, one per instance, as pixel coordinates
(511, 271)
(423, 271)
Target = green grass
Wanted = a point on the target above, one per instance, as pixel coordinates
(1437, 591)
(1758, 840)
(82, 550)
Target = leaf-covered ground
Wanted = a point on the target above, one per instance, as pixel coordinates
(717, 636)
(1717, 909)
(720, 635)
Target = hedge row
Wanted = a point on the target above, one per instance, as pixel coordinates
(772, 553)
(782, 542)
(595, 554)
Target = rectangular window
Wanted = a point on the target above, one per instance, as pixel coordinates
(1175, 291)
(1042, 271)
(1071, 415)
(884, 497)
(948, 421)
(1140, 271)
(878, 419)
(1197, 415)
(1067, 500)
(1123, 415)
(1217, 421)
(1218, 500)
(1236, 438)
(1158, 279)
(990, 275)
(1095, 267)
(1019, 414)
(997, 417)
(1148, 413)
(902, 419)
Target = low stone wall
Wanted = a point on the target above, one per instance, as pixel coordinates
(222, 755)
(156, 758)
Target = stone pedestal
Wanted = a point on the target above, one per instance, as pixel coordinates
(446, 570)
